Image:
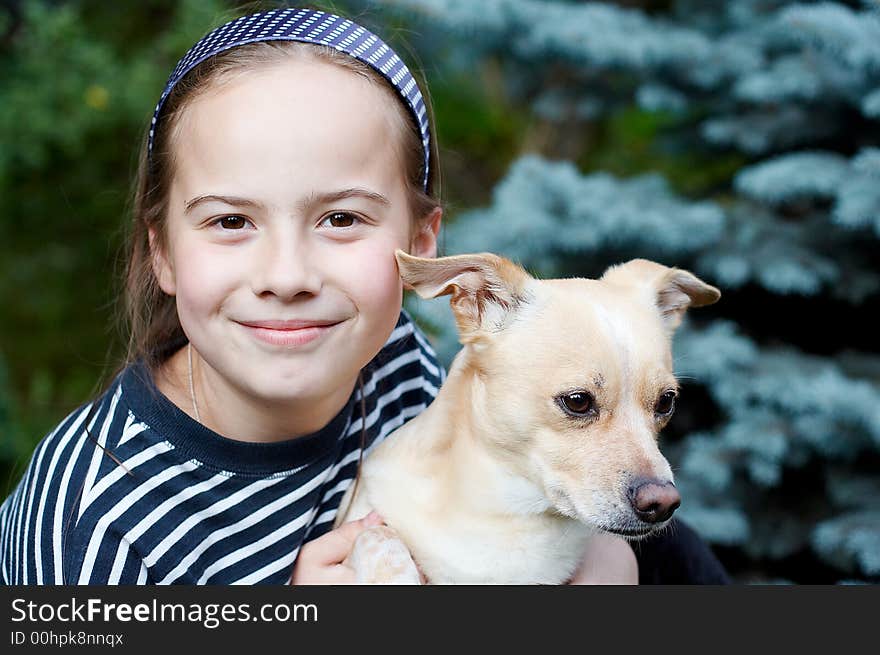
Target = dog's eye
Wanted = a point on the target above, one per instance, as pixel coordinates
(579, 403)
(666, 404)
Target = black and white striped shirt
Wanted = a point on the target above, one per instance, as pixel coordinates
(186, 505)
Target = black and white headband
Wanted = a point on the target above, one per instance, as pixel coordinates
(309, 26)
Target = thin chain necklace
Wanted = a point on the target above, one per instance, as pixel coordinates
(192, 395)
(192, 391)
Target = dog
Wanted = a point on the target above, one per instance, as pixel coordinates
(543, 434)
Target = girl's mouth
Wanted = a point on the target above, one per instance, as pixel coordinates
(288, 333)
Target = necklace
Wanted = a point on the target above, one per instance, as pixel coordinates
(192, 392)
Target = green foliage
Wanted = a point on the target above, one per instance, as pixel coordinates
(475, 116)
(77, 88)
(633, 141)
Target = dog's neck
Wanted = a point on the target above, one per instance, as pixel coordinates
(461, 448)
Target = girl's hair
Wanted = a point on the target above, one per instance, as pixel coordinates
(153, 328)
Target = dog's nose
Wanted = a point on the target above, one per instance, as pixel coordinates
(653, 501)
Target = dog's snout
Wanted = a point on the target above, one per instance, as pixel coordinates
(653, 501)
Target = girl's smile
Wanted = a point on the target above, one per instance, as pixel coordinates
(289, 333)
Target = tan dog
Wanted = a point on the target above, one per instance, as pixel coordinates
(544, 432)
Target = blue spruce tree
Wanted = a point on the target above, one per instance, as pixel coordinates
(739, 140)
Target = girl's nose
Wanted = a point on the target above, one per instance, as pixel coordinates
(283, 268)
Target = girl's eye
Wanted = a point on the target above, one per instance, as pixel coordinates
(231, 222)
(341, 219)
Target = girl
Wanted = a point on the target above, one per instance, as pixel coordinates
(288, 157)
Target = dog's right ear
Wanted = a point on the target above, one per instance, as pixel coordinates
(485, 288)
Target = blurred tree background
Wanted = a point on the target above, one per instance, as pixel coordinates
(737, 139)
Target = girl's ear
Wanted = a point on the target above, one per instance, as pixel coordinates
(424, 244)
(162, 268)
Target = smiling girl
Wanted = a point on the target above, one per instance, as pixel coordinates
(289, 156)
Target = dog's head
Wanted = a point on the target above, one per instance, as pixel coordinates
(573, 377)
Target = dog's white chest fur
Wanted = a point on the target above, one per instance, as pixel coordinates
(458, 545)
(491, 555)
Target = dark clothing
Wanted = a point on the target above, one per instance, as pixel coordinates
(678, 556)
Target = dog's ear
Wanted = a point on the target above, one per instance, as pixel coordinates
(485, 288)
(672, 290)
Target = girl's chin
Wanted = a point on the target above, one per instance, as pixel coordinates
(297, 391)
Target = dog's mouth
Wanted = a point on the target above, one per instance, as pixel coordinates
(630, 531)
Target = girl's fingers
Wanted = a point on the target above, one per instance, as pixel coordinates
(334, 547)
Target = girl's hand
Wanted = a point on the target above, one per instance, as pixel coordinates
(320, 561)
(607, 560)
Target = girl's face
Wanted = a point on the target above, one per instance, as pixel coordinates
(287, 204)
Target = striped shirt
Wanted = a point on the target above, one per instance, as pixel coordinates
(182, 505)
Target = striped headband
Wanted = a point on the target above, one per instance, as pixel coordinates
(309, 26)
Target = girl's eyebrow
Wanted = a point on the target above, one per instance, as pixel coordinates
(312, 199)
(229, 200)
(342, 194)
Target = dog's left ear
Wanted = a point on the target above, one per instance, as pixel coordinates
(485, 288)
(672, 290)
